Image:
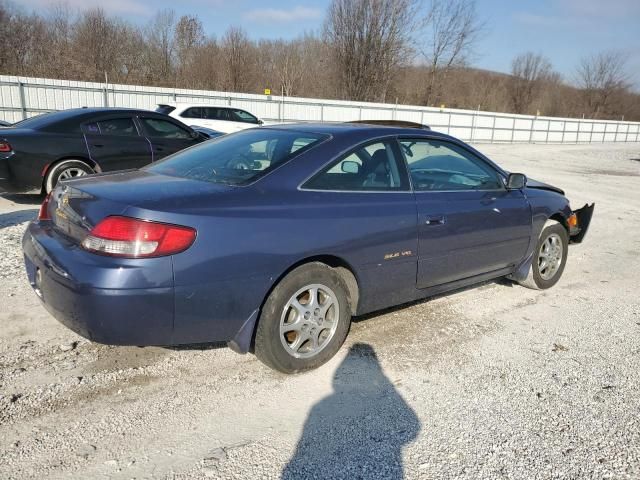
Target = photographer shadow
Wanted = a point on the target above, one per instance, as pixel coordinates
(360, 429)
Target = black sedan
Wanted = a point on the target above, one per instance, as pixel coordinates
(38, 152)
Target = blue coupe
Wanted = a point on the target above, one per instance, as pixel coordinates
(271, 239)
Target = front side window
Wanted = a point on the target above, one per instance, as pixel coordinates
(370, 168)
(237, 159)
(242, 116)
(155, 127)
(435, 165)
(215, 113)
(117, 126)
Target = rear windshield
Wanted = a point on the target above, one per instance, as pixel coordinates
(166, 109)
(237, 159)
(38, 121)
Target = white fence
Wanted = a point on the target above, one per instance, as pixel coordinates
(21, 97)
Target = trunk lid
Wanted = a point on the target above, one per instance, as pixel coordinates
(76, 206)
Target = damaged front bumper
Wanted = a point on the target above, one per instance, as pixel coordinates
(583, 216)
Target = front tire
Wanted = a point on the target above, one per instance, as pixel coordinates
(549, 257)
(305, 319)
(65, 170)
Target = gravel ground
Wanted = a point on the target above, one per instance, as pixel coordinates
(492, 382)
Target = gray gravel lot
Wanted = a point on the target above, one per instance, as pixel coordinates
(492, 382)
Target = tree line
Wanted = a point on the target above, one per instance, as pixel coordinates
(402, 51)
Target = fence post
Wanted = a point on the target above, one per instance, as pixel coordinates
(360, 112)
(564, 129)
(546, 139)
(23, 101)
(615, 138)
(449, 125)
(533, 121)
(493, 128)
(321, 112)
(591, 132)
(421, 117)
(513, 128)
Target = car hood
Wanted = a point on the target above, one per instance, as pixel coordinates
(531, 183)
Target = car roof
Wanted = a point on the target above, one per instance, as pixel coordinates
(342, 128)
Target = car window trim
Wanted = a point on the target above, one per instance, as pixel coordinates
(111, 117)
(402, 168)
(445, 141)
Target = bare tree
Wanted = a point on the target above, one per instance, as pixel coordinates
(447, 34)
(529, 71)
(285, 63)
(189, 36)
(161, 43)
(369, 40)
(237, 53)
(601, 76)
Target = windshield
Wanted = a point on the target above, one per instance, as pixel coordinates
(237, 159)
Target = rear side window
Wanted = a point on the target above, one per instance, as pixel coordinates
(193, 112)
(154, 127)
(370, 168)
(237, 159)
(117, 126)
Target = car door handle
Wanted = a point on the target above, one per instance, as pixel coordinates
(98, 145)
(437, 220)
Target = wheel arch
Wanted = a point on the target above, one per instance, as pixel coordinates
(560, 218)
(341, 266)
(81, 158)
(244, 340)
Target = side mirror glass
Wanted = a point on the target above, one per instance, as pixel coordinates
(516, 181)
(349, 166)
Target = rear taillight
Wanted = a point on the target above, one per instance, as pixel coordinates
(43, 213)
(135, 238)
(5, 147)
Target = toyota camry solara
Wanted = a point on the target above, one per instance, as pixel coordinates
(271, 239)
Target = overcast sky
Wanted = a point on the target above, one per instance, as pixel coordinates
(562, 30)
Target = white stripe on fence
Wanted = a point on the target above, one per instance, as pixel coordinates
(21, 97)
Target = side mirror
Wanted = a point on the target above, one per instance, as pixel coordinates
(516, 181)
(349, 166)
(260, 122)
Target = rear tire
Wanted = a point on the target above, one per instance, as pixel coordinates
(305, 319)
(549, 257)
(64, 170)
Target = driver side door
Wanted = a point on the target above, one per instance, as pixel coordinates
(469, 224)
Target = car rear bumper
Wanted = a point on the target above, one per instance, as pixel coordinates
(115, 316)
